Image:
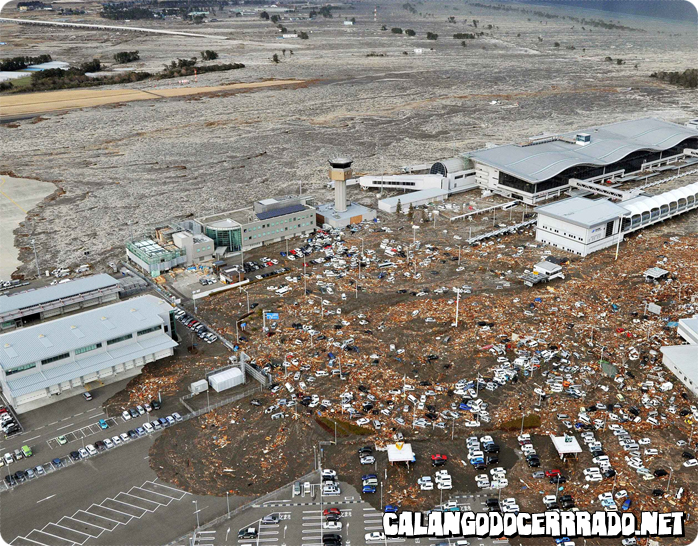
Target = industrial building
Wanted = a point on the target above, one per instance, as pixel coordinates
(268, 221)
(60, 358)
(682, 360)
(542, 167)
(582, 226)
(153, 257)
(342, 213)
(30, 306)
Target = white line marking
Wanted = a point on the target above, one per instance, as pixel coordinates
(66, 426)
(47, 498)
(34, 438)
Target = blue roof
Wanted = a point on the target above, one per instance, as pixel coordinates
(280, 212)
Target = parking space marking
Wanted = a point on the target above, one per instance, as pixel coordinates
(96, 520)
(48, 540)
(105, 517)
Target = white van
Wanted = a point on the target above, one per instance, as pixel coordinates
(283, 290)
(289, 387)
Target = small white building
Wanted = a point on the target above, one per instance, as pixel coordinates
(400, 452)
(566, 446)
(415, 199)
(580, 225)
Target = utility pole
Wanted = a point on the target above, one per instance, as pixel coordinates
(459, 248)
(457, 306)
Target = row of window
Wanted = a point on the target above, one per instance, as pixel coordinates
(79, 351)
(55, 358)
(393, 183)
(20, 368)
(117, 339)
(274, 231)
(87, 349)
(568, 235)
(272, 224)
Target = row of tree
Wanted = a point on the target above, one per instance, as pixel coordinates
(20, 63)
(687, 78)
(126, 56)
(410, 32)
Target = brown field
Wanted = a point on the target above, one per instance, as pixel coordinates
(70, 99)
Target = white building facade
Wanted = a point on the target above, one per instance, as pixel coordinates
(57, 359)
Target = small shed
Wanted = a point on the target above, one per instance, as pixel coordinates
(566, 445)
(227, 379)
(655, 274)
(400, 452)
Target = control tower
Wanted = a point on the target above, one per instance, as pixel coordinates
(342, 212)
(340, 172)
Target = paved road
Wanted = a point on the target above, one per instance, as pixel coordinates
(300, 521)
(113, 499)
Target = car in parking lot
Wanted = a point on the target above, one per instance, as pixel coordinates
(91, 449)
(74, 455)
(62, 440)
(125, 415)
(57, 463)
(375, 536)
(368, 489)
(369, 459)
(84, 454)
(103, 424)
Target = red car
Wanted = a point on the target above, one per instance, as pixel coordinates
(551, 473)
(439, 459)
(329, 511)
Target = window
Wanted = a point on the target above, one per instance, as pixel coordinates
(54, 358)
(148, 330)
(20, 368)
(88, 348)
(117, 339)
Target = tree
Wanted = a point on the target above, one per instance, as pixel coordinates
(303, 36)
(557, 44)
(326, 12)
(275, 19)
(283, 51)
(410, 32)
(396, 30)
(410, 212)
(275, 58)
(209, 55)
(608, 59)
(384, 27)
(126, 56)
(398, 208)
(620, 62)
(432, 36)
(353, 20)
(452, 19)
(264, 15)
(463, 43)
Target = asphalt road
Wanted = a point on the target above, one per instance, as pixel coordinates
(112, 499)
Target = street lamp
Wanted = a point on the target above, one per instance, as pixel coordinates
(414, 232)
(196, 504)
(36, 258)
(459, 247)
(227, 502)
(247, 293)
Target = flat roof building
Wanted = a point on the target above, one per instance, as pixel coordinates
(416, 199)
(582, 226)
(57, 359)
(541, 167)
(267, 221)
(154, 257)
(29, 306)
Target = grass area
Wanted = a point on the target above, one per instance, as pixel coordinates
(21, 83)
(530, 421)
(343, 428)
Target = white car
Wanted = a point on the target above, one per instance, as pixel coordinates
(690, 462)
(116, 440)
(363, 421)
(126, 416)
(374, 537)
(329, 473)
(92, 450)
(332, 525)
(369, 459)
(445, 485)
(124, 437)
(108, 443)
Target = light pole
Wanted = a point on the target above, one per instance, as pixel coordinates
(36, 258)
(414, 234)
(381, 496)
(247, 293)
(459, 247)
(196, 504)
(457, 306)
(193, 296)
(227, 502)
(668, 485)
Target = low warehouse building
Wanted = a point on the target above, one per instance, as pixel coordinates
(227, 379)
(57, 359)
(32, 306)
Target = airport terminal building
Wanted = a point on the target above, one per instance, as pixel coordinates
(57, 359)
(541, 168)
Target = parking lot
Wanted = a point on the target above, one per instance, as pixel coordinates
(300, 521)
(83, 432)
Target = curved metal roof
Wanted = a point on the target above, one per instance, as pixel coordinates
(609, 144)
(640, 205)
(452, 164)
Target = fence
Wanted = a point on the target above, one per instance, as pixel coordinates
(209, 407)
